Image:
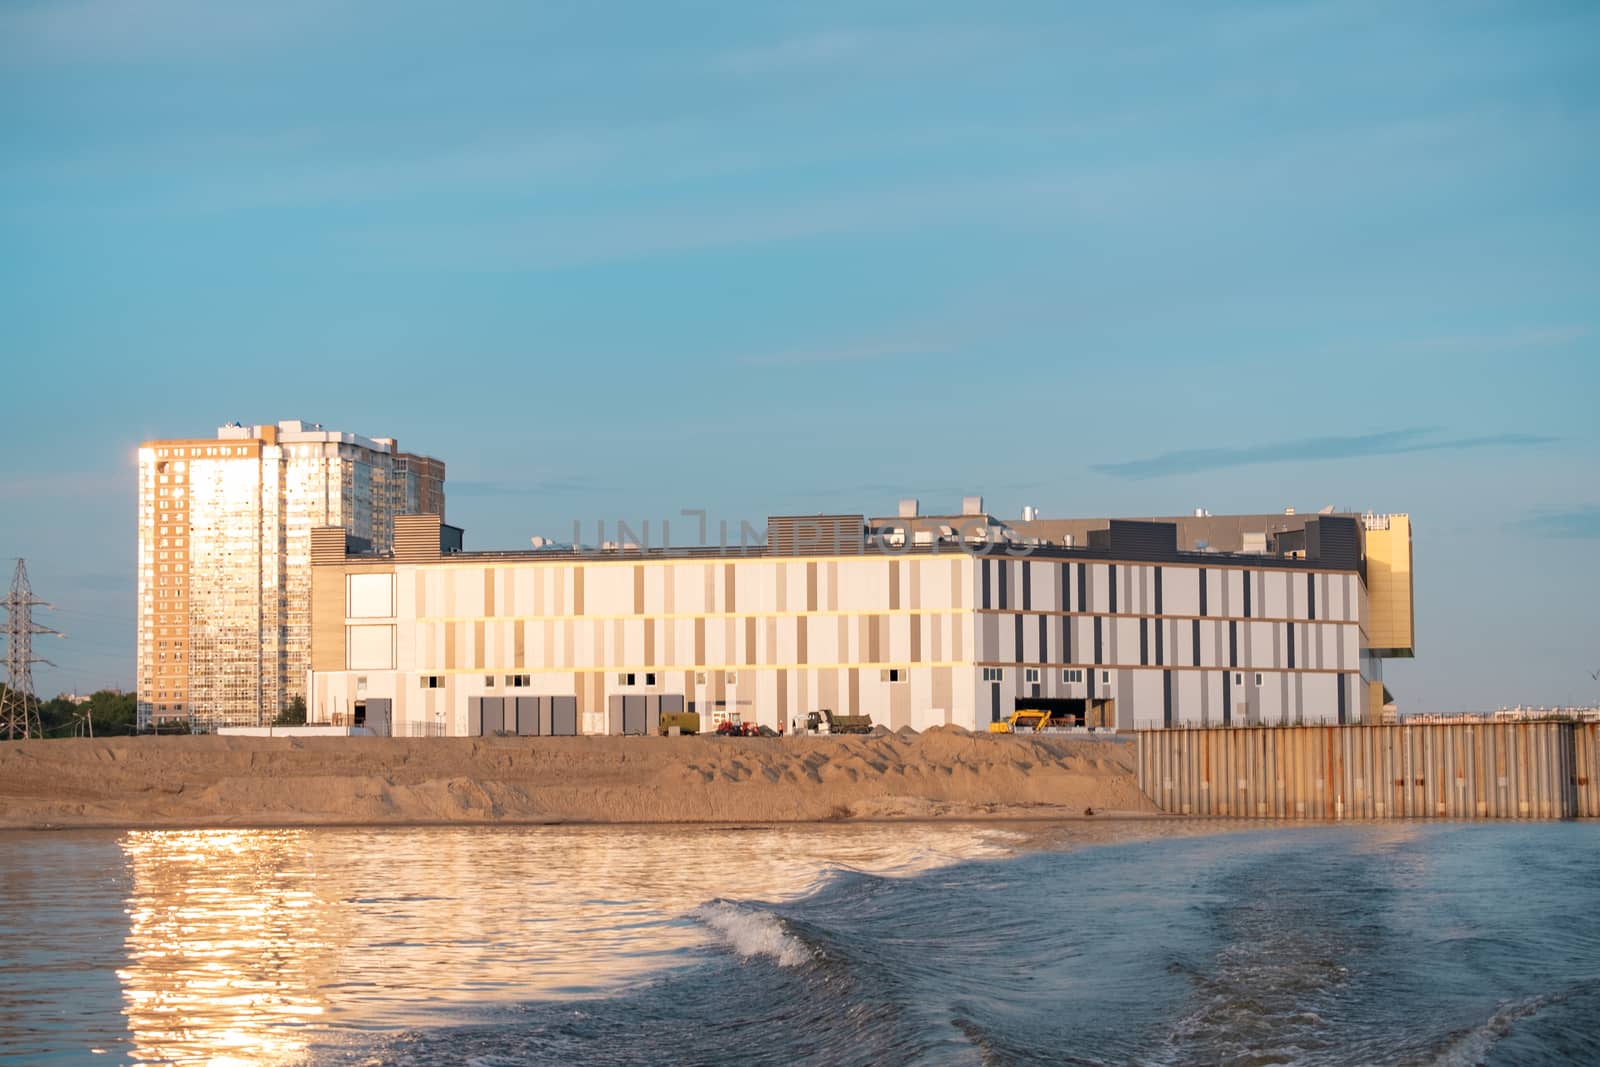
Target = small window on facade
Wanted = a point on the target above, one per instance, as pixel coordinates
(1238, 678)
(1031, 676)
(517, 681)
(488, 680)
(894, 674)
(649, 679)
(733, 677)
(1105, 677)
(993, 674)
(1258, 677)
(699, 677)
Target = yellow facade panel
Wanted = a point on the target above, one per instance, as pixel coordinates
(1390, 623)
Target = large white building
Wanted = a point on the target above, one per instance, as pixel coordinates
(224, 586)
(914, 620)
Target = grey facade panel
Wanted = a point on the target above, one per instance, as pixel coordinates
(493, 715)
(633, 714)
(1334, 541)
(530, 711)
(380, 716)
(563, 716)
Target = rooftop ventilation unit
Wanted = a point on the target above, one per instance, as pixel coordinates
(908, 507)
(1029, 513)
(972, 505)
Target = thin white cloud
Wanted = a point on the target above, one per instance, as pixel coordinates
(569, 240)
(100, 30)
(859, 353)
(1541, 337)
(66, 483)
(795, 53)
(865, 49)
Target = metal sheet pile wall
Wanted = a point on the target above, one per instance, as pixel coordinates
(1534, 770)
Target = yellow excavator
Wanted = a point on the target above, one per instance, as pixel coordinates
(1026, 721)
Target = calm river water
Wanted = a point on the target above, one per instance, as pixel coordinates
(869, 944)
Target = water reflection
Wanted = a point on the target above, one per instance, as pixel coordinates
(229, 948)
(254, 946)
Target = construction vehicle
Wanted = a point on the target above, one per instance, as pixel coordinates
(729, 728)
(1025, 721)
(824, 721)
(687, 722)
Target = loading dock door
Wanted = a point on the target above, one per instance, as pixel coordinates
(633, 714)
(494, 715)
(1064, 709)
(528, 716)
(563, 716)
(379, 716)
(474, 716)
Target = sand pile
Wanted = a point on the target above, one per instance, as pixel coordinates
(230, 781)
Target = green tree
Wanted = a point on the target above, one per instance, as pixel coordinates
(113, 713)
(294, 714)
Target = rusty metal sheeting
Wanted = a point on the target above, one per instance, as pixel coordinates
(1521, 770)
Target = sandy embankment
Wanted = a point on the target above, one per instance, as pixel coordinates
(237, 781)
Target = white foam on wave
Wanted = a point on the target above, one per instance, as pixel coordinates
(751, 932)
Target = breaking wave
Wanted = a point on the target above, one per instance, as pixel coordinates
(751, 932)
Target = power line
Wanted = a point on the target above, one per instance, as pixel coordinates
(19, 704)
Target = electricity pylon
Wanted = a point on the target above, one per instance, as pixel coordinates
(19, 705)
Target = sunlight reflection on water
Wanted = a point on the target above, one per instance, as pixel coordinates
(241, 944)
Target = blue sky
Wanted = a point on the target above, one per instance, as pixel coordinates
(618, 260)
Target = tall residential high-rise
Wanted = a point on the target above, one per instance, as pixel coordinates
(225, 558)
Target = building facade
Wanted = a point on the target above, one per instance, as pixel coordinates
(915, 621)
(224, 578)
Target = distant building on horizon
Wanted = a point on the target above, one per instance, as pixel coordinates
(914, 620)
(224, 570)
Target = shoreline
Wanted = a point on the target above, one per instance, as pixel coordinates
(943, 775)
(998, 820)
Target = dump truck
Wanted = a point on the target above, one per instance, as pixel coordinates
(687, 722)
(824, 721)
